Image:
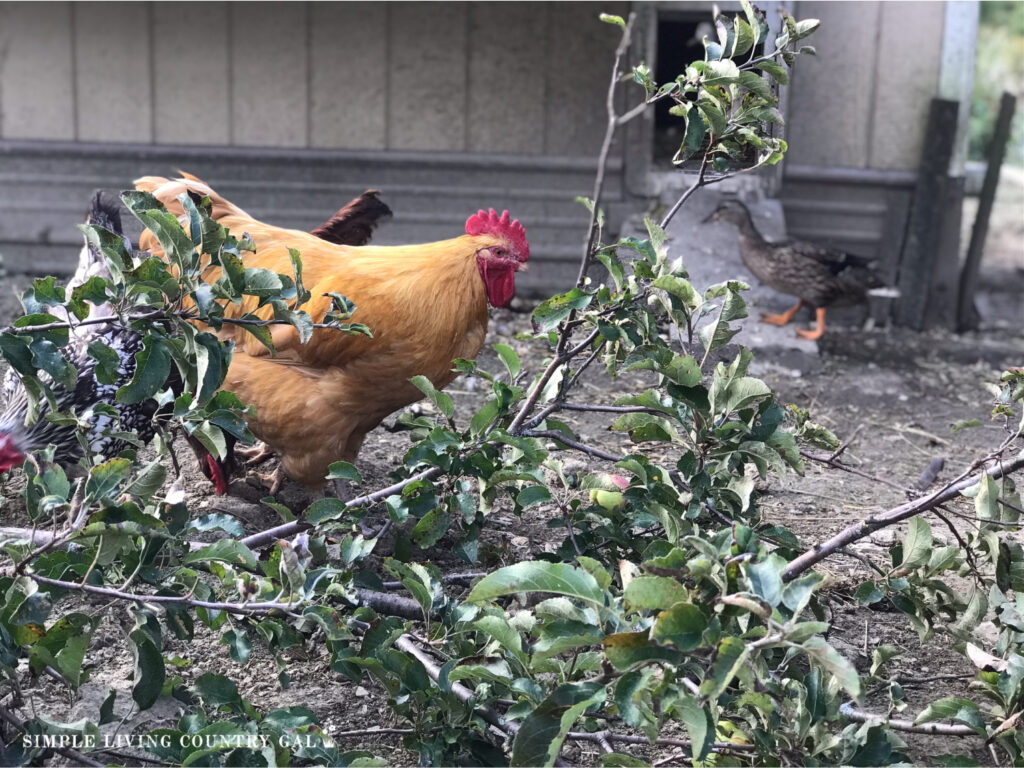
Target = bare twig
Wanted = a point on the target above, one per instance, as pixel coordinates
(590, 450)
(836, 464)
(606, 145)
(697, 184)
(116, 594)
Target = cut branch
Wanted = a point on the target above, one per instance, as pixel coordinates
(895, 515)
(907, 726)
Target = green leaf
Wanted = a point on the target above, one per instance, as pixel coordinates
(756, 84)
(509, 358)
(775, 70)
(431, 528)
(538, 576)
(532, 495)
(834, 663)
(342, 470)
(483, 418)
(541, 734)
(620, 760)
(105, 478)
(149, 480)
(440, 399)
(217, 690)
(551, 312)
(682, 625)
(713, 115)
(974, 613)
(731, 395)
(107, 362)
(217, 521)
(152, 365)
(239, 645)
(721, 72)
(322, 510)
(917, 545)
(609, 18)
(766, 578)
(149, 669)
(226, 551)
(164, 226)
(953, 708)
(986, 503)
(650, 593)
(693, 138)
(730, 656)
(744, 38)
(47, 357)
(499, 628)
(698, 722)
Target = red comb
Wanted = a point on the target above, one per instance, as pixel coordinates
(504, 226)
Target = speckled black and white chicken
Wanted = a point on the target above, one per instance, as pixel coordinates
(18, 439)
(818, 276)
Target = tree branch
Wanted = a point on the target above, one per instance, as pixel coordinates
(587, 449)
(117, 594)
(907, 726)
(895, 515)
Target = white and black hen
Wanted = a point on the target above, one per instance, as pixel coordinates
(18, 439)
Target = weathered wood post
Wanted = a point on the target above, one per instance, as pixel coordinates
(967, 314)
(924, 229)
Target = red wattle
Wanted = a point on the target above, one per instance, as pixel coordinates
(220, 483)
(500, 281)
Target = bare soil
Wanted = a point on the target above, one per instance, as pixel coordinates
(893, 395)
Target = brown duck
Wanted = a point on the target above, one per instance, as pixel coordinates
(819, 277)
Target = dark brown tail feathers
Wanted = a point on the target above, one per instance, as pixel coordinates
(354, 224)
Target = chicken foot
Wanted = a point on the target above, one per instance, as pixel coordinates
(257, 454)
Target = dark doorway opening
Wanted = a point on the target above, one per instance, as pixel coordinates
(680, 41)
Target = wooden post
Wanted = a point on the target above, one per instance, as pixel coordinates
(967, 314)
(924, 230)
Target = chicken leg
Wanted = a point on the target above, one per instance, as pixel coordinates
(818, 330)
(784, 318)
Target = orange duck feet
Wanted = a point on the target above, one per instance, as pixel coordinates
(784, 318)
(819, 329)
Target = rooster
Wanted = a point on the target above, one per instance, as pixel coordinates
(17, 439)
(354, 224)
(426, 305)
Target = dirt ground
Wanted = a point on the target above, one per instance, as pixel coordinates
(894, 395)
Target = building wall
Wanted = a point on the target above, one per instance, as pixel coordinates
(861, 101)
(520, 78)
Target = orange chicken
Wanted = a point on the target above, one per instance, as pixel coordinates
(426, 305)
